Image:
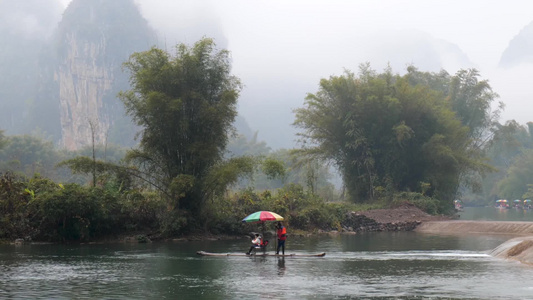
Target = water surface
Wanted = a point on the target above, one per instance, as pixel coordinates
(496, 214)
(404, 265)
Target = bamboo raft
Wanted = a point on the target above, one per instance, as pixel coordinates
(203, 253)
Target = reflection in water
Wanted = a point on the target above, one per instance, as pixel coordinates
(399, 265)
(281, 266)
(496, 214)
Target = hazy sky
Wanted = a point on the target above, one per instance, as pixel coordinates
(281, 48)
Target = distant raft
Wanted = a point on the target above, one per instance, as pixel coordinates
(260, 254)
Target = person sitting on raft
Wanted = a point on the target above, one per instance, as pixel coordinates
(256, 243)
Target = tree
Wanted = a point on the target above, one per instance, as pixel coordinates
(28, 154)
(468, 96)
(3, 140)
(185, 105)
(506, 152)
(240, 145)
(471, 99)
(383, 130)
(519, 177)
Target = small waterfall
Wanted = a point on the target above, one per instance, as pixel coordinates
(501, 250)
(519, 248)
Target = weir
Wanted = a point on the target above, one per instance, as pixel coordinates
(519, 248)
(482, 227)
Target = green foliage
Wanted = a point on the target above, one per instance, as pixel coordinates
(529, 193)
(40, 209)
(390, 130)
(3, 140)
(239, 145)
(518, 177)
(14, 219)
(142, 210)
(28, 155)
(114, 176)
(74, 213)
(273, 168)
(506, 151)
(427, 204)
(227, 173)
(300, 209)
(173, 223)
(471, 100)
(186, 105)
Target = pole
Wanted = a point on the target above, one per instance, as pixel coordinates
(276, 238)
(263, 238)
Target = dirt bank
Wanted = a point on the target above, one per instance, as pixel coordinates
(405, 213)
(404, 218)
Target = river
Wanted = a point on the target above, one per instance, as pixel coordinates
(400, 265)
(496, 214)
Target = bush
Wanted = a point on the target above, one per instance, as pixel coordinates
(141, 211)
(14, 197)
(75, 213)
(173, 223)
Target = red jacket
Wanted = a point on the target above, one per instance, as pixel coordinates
(282, 233)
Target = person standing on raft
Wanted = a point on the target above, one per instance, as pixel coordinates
(282, 236)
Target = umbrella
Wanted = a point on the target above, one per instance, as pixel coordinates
(262, 217)
(517, 201)
(527, 200)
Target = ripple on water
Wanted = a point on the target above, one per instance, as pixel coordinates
(176, 272)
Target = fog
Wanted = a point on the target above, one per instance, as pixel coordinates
(30, 18)
(281, 49)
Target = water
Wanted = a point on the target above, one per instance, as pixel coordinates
(404, 265)
(496, 214)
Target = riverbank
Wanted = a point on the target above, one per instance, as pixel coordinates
(404, 218)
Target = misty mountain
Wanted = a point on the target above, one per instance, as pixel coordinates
(29, 19)
(520, 48)
(271, 95)
(403, 48)
(79, 70)
(25, 27)
(93, 39)
(61, 70)
(183, 22)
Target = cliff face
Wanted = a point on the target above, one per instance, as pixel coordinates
(82, 85)
(94, 38)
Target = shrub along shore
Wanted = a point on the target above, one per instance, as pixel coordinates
(40, 210)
